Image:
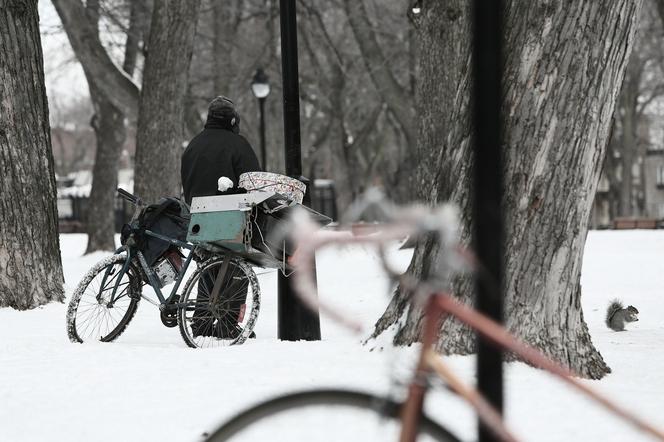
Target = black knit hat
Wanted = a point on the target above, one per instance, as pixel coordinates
(222, 110)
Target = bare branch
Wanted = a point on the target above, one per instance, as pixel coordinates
(397, 98)
(82, 34)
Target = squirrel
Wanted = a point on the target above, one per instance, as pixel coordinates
(617, 315)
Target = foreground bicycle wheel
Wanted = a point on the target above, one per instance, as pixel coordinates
(99, 311)
(228, 318)
(324, 415)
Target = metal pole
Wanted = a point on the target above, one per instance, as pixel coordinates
(488, 184)
(291, 87)
(295, 321)
(261, 104)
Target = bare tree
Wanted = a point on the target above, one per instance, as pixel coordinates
(83, 37)
(352, 125)
(353, 76)
(348, 131)
(30, 263)
(563, 69)
(81, 23)
(395, 95)
(108, 124)
(71, 134)
(641, 86)
(161, 111)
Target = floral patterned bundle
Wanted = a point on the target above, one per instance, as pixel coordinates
(266, 181)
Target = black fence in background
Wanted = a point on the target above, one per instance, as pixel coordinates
(73, 210)
(324, 199)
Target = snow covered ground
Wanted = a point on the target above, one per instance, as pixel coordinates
(148, 386)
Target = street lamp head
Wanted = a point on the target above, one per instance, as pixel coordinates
(260, 85)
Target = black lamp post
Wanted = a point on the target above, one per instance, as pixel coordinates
(296, 321)
(488, 192)
(260, 87)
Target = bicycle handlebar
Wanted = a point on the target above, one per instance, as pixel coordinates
(400, 222)
(129, 197)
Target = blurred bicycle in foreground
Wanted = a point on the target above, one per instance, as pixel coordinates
(331, 414)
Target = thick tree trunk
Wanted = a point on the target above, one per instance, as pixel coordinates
(108, 124)
(161, 108)
(30, 264)
(221, 49)
(563, 69)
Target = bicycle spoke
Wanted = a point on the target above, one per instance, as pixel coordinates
(234, 302)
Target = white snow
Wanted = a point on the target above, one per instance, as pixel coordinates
(148, 386)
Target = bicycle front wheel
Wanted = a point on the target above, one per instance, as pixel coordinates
(324, 415)
(104, 302)
(227, 317)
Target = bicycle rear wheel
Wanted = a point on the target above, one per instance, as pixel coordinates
(104, 301)
(206, 320)
(324, 415)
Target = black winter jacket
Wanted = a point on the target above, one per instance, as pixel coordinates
(213, 153)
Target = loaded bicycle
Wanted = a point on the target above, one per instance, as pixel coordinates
(225, 236)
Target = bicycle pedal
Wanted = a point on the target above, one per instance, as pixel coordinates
(169, 320)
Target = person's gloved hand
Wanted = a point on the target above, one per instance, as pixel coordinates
(224, 183)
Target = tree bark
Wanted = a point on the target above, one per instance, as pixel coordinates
(138, 22)
(563, 68)
(161, 110)
(628, 148)
(610, 168)
(30, 263)
(108, 124)
(221, 50)
(627, 112)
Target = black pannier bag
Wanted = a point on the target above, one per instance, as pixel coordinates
(168, 217)
(266, 219)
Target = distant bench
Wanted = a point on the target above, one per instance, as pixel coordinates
(635, 223)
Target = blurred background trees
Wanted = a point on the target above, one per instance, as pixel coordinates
(357, 99)
(632, 183)
(358, 65)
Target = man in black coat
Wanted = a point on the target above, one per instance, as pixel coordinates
(218, 151)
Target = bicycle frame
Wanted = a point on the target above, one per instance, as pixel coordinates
(132, 253)
(430, 363)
